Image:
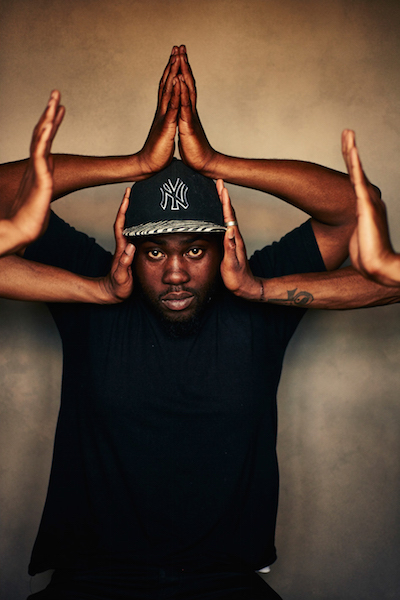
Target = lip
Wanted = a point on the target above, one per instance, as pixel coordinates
(178, 300)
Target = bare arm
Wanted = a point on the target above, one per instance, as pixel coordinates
(335, 290)
(324, 194)
(72, 172)
(341, 289)
(22, 279)
(370, 247)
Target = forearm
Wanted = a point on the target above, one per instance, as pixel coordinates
(335, 290)
(323, 193)
(73, 172)
(22, 279)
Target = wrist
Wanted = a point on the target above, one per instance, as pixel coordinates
(215, 165)
(253, 290)
(138, 166)
(104, 291)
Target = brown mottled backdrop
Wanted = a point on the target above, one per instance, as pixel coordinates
(276, 78)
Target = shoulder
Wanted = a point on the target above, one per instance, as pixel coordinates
(296, 252)
(63, 246)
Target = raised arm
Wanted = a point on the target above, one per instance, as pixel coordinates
(340, 289)
(22, 279)
(324, 194)
(72, 172)
(27, 211)
(370, 249)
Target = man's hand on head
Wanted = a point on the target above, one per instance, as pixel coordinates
(235, 268)
(118, 284)
(159, 147)
(194, 148)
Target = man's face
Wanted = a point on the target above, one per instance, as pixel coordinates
(178, 273)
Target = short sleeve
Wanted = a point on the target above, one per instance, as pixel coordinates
(63, 246)
(296, 252)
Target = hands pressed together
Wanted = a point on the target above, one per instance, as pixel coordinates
(28, 214)
(176, 109)
(370, 249)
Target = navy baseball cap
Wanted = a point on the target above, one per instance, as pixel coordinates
(175, 200)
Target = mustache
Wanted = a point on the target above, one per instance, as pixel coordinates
(182, 291)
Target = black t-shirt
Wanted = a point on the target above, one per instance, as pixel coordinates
(165, 448)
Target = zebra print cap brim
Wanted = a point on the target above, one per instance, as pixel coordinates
(173, 227)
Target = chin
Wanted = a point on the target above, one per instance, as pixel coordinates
(181, 323)
(182, 327)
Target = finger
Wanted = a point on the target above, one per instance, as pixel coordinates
(174, 103)
(126, 258)
(46, 117)
(227, 208)
(40, 152)
(348, 141)
(355, 167)
(187, 74)
(359, 181)
(172, 59)
(119, 224)
(167, 88)
(48, 124)
(185, 103)
(352, 158)
(232, 234)
(56, 123)
(230, 259)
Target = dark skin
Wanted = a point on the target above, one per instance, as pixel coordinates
(321, 192)
(177, 272)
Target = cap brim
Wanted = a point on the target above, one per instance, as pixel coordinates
(173, 227)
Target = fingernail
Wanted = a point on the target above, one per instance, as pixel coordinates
(129, 249)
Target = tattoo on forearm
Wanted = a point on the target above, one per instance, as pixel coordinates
(300, 299)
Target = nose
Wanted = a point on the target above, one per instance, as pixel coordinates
(175, 272)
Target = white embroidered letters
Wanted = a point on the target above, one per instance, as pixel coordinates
(174, 193)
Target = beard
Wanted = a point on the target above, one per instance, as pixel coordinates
(181, 325)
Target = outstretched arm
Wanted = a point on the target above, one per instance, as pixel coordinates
(22, 279)
(370, 249)
(72, 172)
(28, 211)
(335, 290)
(324, 194)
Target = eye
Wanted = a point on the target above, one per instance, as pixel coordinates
(155, 254)
(195, 252)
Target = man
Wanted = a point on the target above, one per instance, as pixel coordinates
(165, 449)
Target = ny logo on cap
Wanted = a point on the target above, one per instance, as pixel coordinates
(176, 193)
